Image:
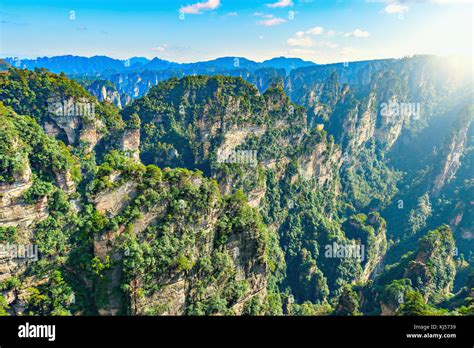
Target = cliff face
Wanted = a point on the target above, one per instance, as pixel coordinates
(106, 91)
(113, 201)
(35, 168)
(369, 231)
(259, 144)
(20, 174)
(433, 264)
(375, 98)
(208, 253)
(391, 117)
(365, 118)
(74, 121)
(179, 288)
(429, 270)
(221, 129)
(438, 164)
(322, 164)
(64, 109)
(13, 210)
(452, 151)
(374, 109)
(131, 143)
(172, 257)
(380, 113)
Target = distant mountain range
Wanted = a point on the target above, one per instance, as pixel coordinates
(105, 66)
(132, 78)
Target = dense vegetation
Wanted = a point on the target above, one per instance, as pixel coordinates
(178, 230)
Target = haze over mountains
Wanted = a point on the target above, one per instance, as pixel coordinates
(121, 81)
(104, 65)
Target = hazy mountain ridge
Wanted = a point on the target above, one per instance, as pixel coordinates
(104, 66)
(134, 77)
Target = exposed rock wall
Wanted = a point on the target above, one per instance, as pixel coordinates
(13, 211)
(452, 152)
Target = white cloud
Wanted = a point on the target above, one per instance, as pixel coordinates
(272, 22)
(401, 6)
(304, 39)
(307, 42)
(358, 33)
(232, 14)
(281, 3)
(160, 48)
(315, 31)
(200, 6)
(395, 8)
(300, 42)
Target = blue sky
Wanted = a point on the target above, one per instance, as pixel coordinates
(185, 31)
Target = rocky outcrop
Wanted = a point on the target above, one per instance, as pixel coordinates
(452, 151)
(110, 96)
(370, 232)
(348, 303)
(17, 257)
(106, 91)
(322, 165)
(131, 143)
(13, 211)
(432, 271)
(91, 133)
(377, 247)
(178, 289)
(184, 283)
(65, 181)
(113, 201)
(17, 299)
(23, 215)
(74, 121)
(68, 115)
